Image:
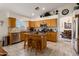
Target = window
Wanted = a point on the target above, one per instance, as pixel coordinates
(20, 24)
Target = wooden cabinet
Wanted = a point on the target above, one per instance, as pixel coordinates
(37, 23)
(17, 37)
(53, 22)
(47, 21)
(12, 22)
(36, 41)
(34, 24)
(14, 37)
(22, 36)
(52, 36)
(31, 24)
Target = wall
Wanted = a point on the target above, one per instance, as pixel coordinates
(69, 6)
(4, 17)
(19, 17)
(50, 17)
(4, 27)
(65, 18)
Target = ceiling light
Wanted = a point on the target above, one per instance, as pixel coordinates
(43, 8)
(33, 14)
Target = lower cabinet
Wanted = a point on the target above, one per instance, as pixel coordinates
(52, 36)
(22, 36)
(14, 37)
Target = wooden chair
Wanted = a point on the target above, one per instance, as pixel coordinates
(29, 42)
(27, 37)
(3, 52)
(37, 43)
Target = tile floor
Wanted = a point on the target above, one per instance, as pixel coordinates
(59, 48)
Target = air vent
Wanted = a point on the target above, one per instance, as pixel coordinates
(37, 8)
(76, 7)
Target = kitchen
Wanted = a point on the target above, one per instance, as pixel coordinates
(38, 33)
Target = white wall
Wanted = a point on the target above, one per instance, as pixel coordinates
(49, 17)
(65, 18)
(19, 17)
(70, 7)
(4, 27)
(4, 17)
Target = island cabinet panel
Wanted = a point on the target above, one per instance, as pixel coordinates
(52, 36)
(11, 22)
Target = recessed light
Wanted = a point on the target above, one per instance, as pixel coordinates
(33, 14)
(43, 8)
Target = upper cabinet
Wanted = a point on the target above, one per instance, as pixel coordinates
(34, 23)
(31, 24)
(37, 23)
(49, 22)
(12, 22)
(53, 22)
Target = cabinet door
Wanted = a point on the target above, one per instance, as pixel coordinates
(52, 36)
(12, 22)
(22, 36)
(48, 36)
(31, 24)
(47, 21)
(37, 23)
(53, 22)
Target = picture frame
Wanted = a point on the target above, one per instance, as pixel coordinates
(1, 23)
(67, 25)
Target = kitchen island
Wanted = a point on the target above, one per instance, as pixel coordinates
(36, 41)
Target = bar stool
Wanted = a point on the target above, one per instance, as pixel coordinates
(36, 43)
(27, 37)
